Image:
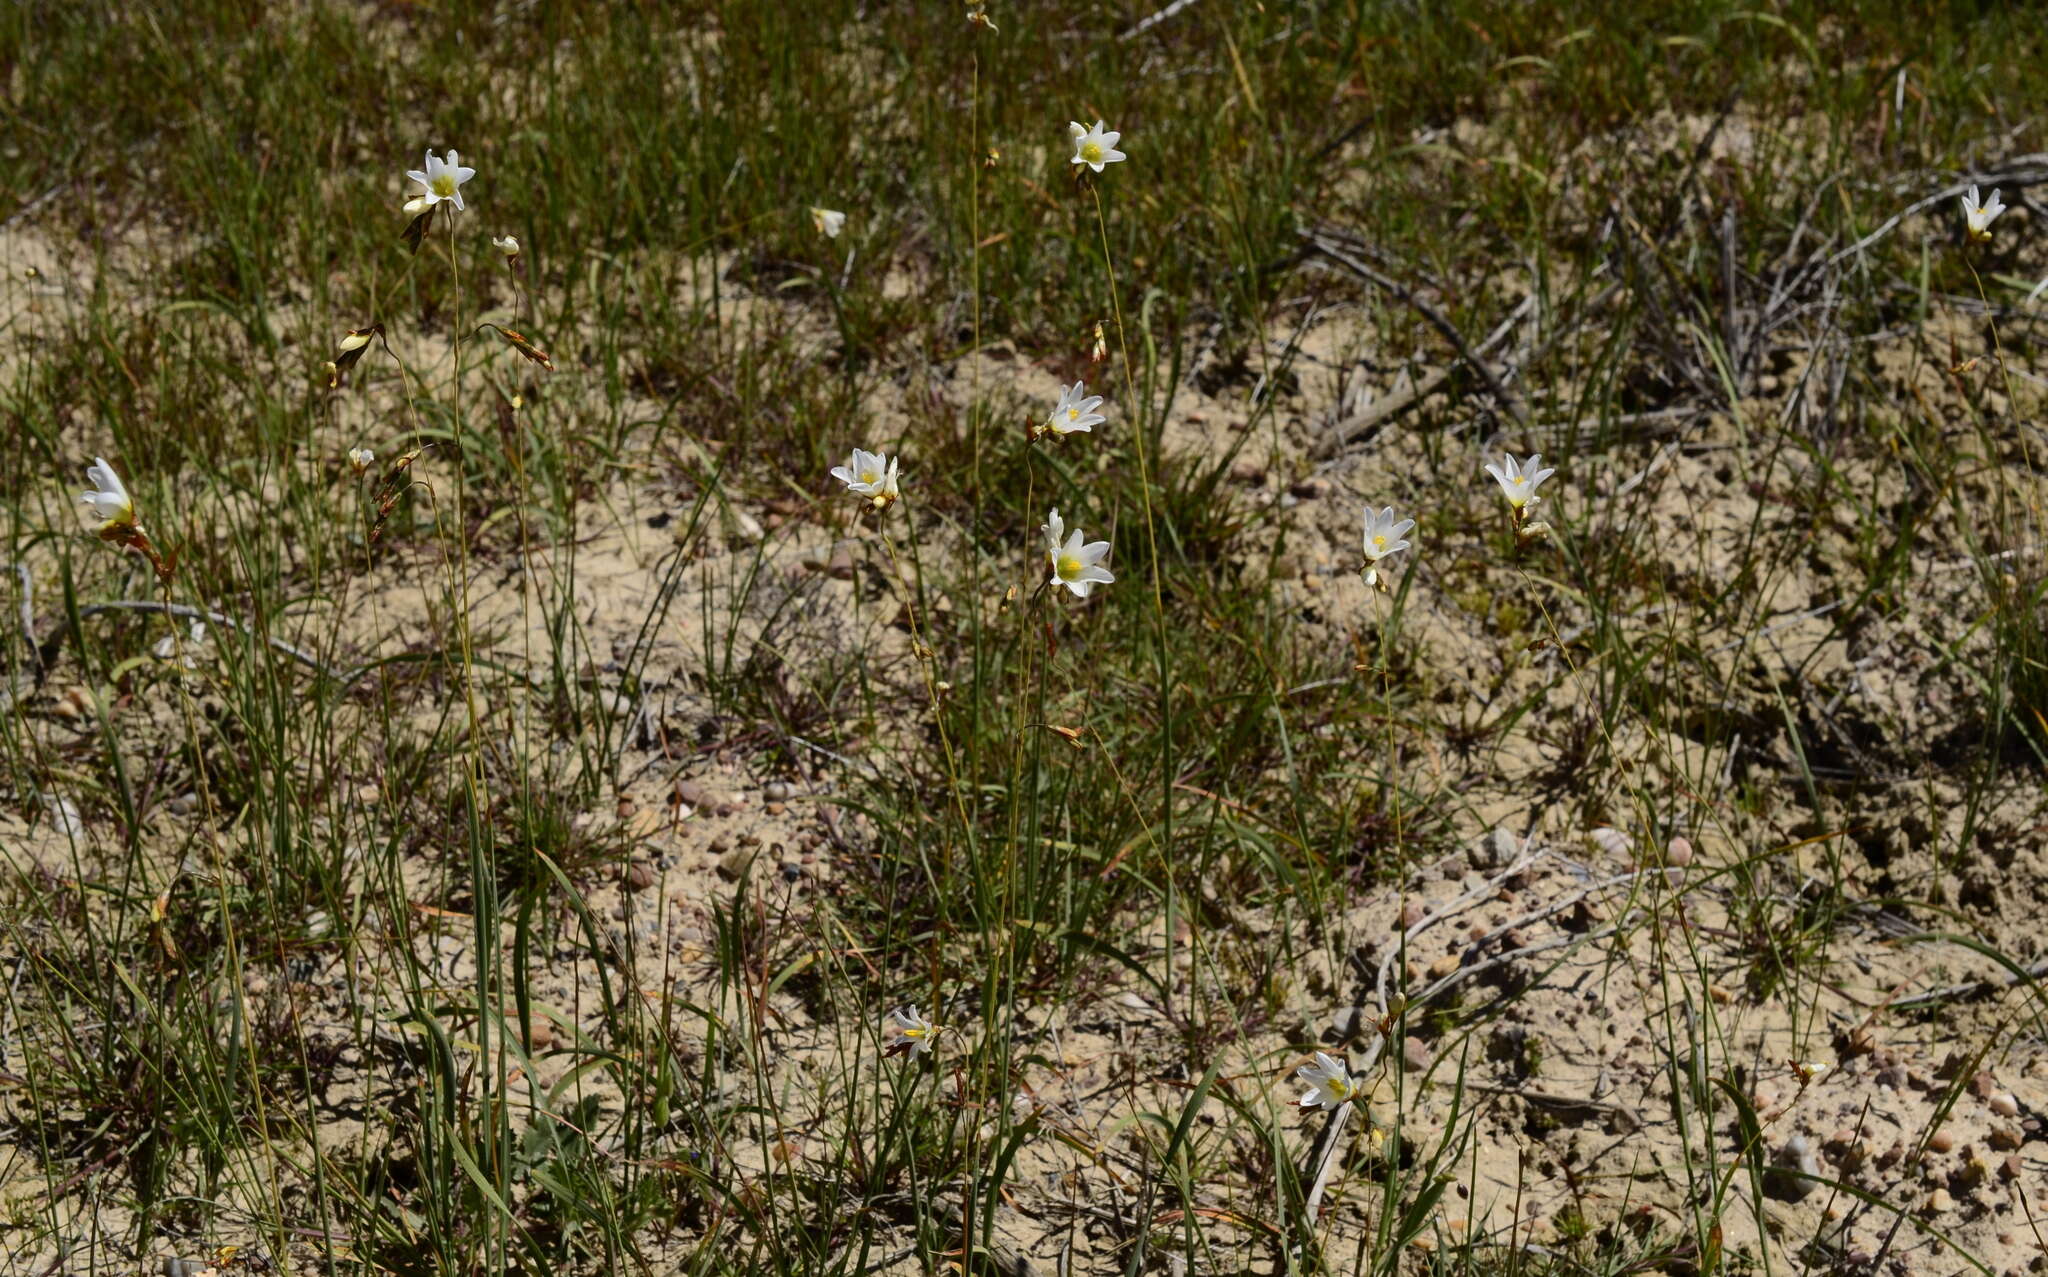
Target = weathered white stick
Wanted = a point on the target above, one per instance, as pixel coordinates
(1326, 1159)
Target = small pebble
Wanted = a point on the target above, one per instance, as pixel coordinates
(639, 876)
(1498, 848)
(1612, 841)
(733, 868)
(1414, 1054)
(1941, 1141)
(1678, 852)
(1412, 913)
(2005, 1104)
(1939, 1201)
(776, 791)
(695, 794)
(1795, 1155)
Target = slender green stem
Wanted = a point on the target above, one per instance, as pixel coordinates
(1138, 429)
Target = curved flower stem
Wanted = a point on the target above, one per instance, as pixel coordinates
(1165, 842)
(483, 875)
(2011, 400)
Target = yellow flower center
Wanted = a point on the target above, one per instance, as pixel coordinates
(1379, 543)
(1067, 566)
(1092, 152)
(869, 476)
(444, 185)
(1073, 414)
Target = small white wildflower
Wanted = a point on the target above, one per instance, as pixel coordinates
(829, 222)
(1520, 480)
(1383, 536)
(108, 497)
(912, 1034)
(1074, 565)
(355, 339)
(871, 475)
(1810, 1071)
(1094, 147)
(1978, 215)
(506, 244)
(1331, 1083)
(361, 459)
(443, 180)
(1075, 412)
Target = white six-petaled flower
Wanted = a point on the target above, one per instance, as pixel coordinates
(1383, 536)
(1330, 1082)
(910, 1032)
(108, 496)
(506, 244)
(1075, 412)
(871, 475)
(361, 459)
(1978, 215)
(829, 221)
(1094, 147)
(443, 180)
(1519, 479)
(1074, 565)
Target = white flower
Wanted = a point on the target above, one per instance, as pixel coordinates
(1977, 216)
(356, 339)
(1074, 565)
(443, 180)
(108, 496)
(1383, 535)
(1094, 147)
(912, 1033)
(1519, 481)
(508, 245)
(361, 459)
(1075, 414)
(828, 221)
(871, 475)
(1332, 1084)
